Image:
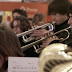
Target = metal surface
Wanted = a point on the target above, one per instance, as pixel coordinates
(43, 38)
(56, 58)
(24, 34)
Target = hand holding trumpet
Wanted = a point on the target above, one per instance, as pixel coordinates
(38, 34)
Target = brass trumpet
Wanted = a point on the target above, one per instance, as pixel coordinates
(42, 39)
(26, 35)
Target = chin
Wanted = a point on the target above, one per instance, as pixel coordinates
(57, 24)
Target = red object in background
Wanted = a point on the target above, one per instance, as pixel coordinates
(8, 18)
(31, 8)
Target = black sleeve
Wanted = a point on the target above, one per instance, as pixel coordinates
(55, 41)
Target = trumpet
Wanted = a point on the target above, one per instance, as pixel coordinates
(26, 35)
(42, 39)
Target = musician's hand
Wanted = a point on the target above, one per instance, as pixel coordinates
(37, 34)
(48, 41)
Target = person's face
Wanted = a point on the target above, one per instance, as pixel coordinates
(16, 14)
(16, 26)
(70, 19)
(1, 61)
(40, 23)
(58, 18)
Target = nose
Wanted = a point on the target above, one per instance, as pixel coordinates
(15, 29)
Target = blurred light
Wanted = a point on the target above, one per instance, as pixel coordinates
(10, 0)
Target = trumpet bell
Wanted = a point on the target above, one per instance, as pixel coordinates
(56, 58)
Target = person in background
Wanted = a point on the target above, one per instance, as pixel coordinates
(21, 24)
(38, 20)
(19, 12)
(9, 46)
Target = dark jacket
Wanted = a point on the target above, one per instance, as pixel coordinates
(30, 52)
(60, 27)
(63, 34)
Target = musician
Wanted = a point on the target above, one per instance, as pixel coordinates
(9, 46)
(38, 20)
(59, 11)
(21, 24)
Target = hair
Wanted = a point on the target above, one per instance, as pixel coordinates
(20, 11)
(30, 19)
(24, 23)
(70, 9)
(9, 44)
(38, 17)
(58, 6)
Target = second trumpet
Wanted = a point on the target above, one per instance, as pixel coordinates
(27, 34)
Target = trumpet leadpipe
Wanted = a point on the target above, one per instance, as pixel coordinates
(30, 31)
